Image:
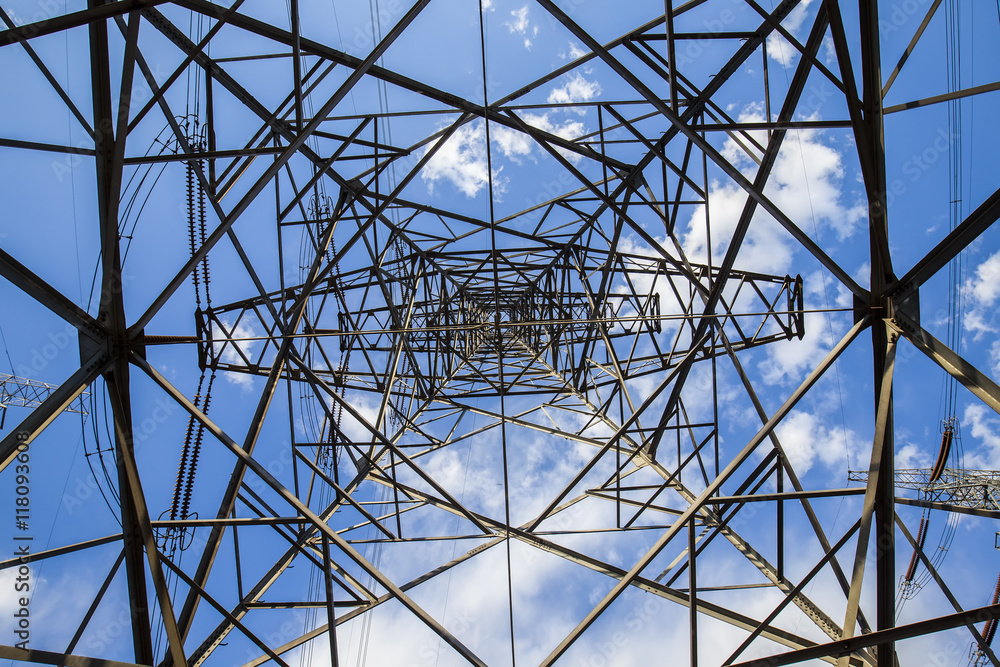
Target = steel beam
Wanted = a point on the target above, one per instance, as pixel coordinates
(39, 657)
(971, 377)
(321, 525)
(706, 495)
(92, 15)
(881, 637)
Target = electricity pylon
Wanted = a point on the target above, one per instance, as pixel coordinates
(26, 393)
(493, 346)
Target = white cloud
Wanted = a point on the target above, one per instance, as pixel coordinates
(230, 354)
(568, 130)
(982, 291)
(778, 47)
(995, 358)
(862, 276)
(367, 407)
(806, 183)
(16, 18)
(807, 440)
(984, 425)
(912, 456)
(576, 89)
(765, 247)
(520, 22)
(58, 604)
(537, 468)
(829, 51)
(985, 287)
(575, 51)
(809, 177)
(513, 144)
(488, 4)
(522, 26)
(789, 361)
(736, 153)
(462, 161)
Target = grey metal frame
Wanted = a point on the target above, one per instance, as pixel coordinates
(478, 308)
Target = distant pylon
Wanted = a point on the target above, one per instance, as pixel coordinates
(23, 392)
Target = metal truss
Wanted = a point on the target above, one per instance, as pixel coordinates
(977, 489)
(22, 392)
(446, 386)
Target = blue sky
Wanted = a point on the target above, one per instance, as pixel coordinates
(51, 221)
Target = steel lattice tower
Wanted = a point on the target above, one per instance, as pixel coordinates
(478, 426)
